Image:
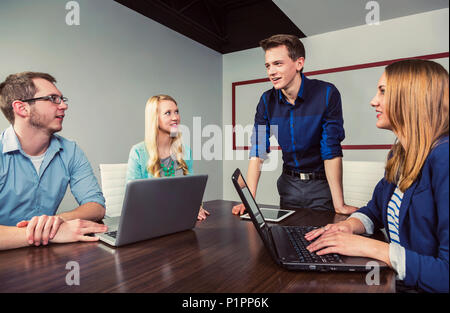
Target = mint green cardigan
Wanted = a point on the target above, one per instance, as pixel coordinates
(138, 159)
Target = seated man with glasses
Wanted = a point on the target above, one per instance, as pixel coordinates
(36, 166)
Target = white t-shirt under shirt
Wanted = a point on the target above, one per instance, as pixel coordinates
(37, 161)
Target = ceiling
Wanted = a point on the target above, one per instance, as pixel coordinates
(222, 25)
(322, 16)
(234, 25)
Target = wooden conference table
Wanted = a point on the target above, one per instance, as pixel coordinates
(221, 255)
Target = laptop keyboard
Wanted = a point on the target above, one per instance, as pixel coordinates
(112, 234)
(296, 235)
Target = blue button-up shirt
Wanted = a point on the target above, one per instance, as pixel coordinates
(308, 132)
(24, 193)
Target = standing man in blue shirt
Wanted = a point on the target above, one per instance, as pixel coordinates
(306, 117)
(36, 166)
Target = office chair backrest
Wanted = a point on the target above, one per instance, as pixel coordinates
(359, 181)
(113, 179)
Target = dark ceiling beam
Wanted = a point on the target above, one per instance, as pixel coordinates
(255, 21)
(237, 4)
(219, 25)
(178, 13)
(222, 25)
(187, 6)
(164, 14)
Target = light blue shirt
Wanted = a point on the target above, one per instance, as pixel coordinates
(138, 159)
(25, 193)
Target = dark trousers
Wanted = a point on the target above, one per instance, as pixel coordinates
(296, 193)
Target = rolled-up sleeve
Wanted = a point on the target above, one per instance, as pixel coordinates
(333, 126)
(83, 183)
(260, 144)
(365, 220)
(397, 257)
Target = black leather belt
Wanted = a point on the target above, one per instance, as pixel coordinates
(305, 176)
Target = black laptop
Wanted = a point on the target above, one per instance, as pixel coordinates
(287, 245)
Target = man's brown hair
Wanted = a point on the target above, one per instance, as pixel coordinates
(293, 44)
(19, 86)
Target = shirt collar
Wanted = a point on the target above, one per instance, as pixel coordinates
(11, 143)
(300, 94)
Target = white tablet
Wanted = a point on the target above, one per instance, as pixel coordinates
(272, 215)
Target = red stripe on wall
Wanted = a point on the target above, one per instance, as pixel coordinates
(326, 71)
(345, 147)
(366, 147)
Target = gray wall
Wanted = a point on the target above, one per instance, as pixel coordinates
(408, 36)
(108, 67)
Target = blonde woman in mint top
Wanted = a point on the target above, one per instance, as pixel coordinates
(411, 202)
(162, 154)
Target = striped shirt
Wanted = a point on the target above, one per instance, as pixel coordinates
(393, 212)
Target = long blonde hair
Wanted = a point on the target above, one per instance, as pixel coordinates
(151, 137)
(417, 108)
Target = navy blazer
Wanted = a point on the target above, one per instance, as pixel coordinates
(423, 221)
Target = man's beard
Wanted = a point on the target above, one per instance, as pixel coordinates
(36, 122)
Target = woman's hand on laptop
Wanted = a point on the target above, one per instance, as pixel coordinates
(344, 227)
(349, 244)
(77, 230)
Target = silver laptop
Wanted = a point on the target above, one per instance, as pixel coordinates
(156, 207)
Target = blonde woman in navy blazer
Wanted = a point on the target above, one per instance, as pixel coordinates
(411, 202)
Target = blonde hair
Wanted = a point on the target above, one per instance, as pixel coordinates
(151, 137)
(417, 108)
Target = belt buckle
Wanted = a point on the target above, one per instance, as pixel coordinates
(304, 176)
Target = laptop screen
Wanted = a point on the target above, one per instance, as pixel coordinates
(254, 212)
(250, 203)
(258, 216)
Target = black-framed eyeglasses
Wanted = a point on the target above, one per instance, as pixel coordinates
(53, 98)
